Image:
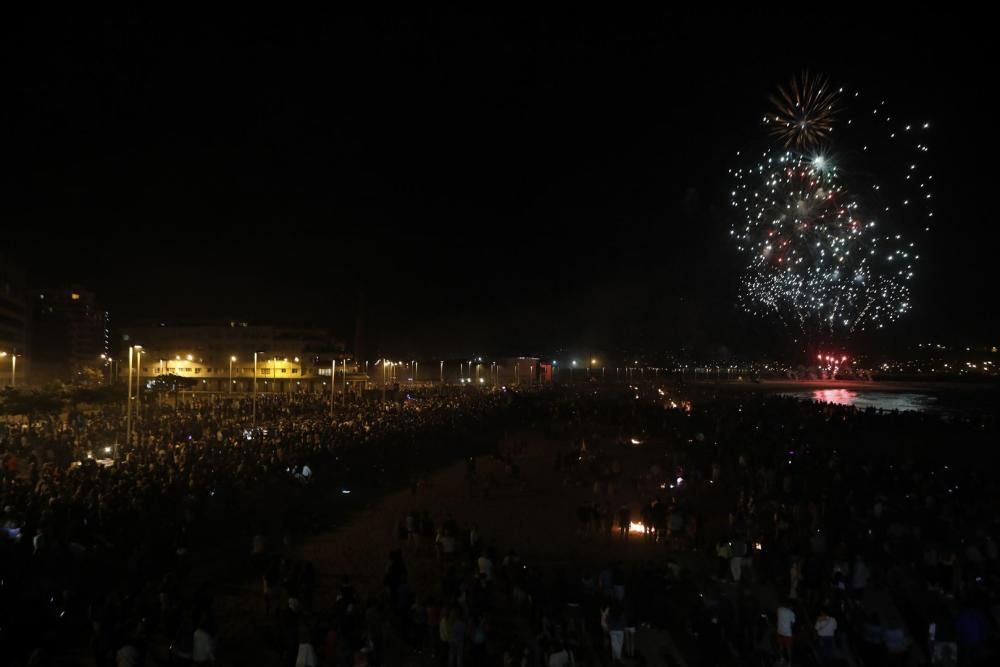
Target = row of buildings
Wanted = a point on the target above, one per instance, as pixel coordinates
(230, 357)
(64, 334)
(222, 357)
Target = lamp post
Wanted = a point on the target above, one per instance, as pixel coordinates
(333, 382)
(254, 423)
(343, 398)
(232, 358)
(383, 362)
(128, 404)
(107, 362)
(13, 366)
(138, 379)
(442, 374)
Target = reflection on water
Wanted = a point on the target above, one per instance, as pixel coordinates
(880, 400)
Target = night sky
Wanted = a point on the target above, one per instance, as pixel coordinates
(518, 184)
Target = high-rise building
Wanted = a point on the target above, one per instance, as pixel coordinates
(13, 324)
(69, 331)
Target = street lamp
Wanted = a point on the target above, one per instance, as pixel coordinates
(343, 396)
(13, 366)
(138, 378)
(231, 360)
(108, 361)
(254, 422)
(384, 363)
(128, 404)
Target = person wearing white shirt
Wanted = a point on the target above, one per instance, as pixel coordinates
(306, 656)
(127, 656)
(561, 658)
(203, 652)
(786, 624)
(448, 545)
(485, 567)
(826, 628)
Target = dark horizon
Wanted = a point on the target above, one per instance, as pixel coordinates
(499, 184)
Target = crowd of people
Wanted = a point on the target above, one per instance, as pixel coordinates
(97, 552)
(780, 530)
(838, 535)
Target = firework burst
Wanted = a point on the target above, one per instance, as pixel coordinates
(815, 224)
(803, 112)
(813, 258)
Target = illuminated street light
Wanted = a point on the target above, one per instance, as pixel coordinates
(256, 352)
(13, 367)
(110, 363)
(138, 377)
(128, 405)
